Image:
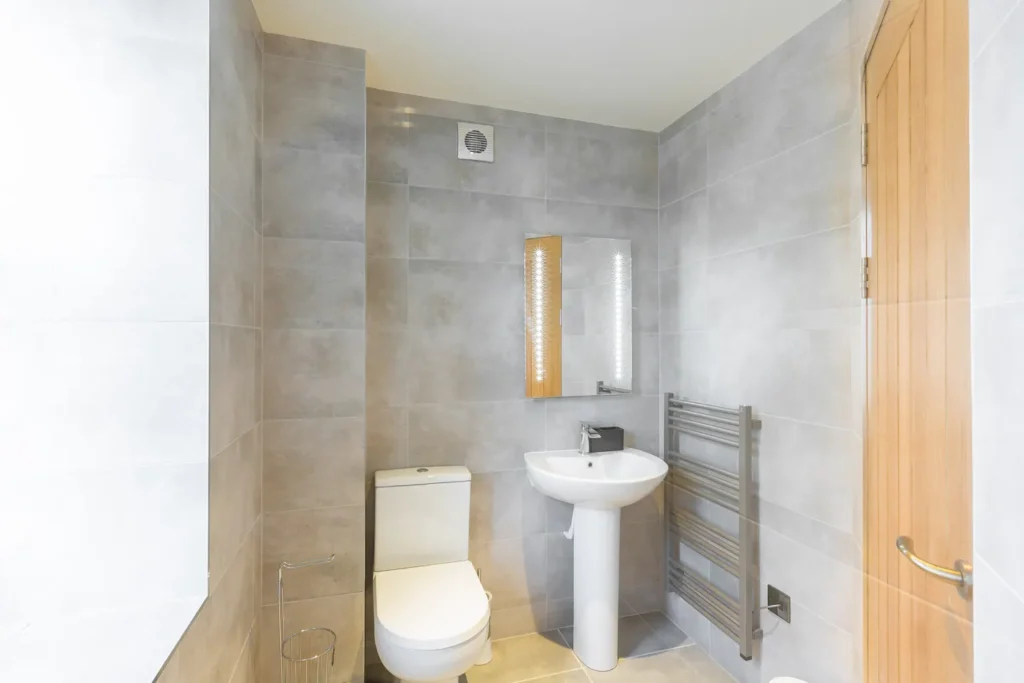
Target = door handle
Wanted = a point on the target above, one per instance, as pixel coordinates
(962, 574)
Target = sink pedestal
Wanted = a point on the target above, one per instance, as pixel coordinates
(596, 587)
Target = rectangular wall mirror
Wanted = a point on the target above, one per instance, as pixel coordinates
(579, 316)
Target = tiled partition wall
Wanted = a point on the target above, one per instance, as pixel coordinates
(445, 354)
(221, 644)
(313, 342)
(759, 242)
(997, 292)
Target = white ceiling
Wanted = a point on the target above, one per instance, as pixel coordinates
(633, 63)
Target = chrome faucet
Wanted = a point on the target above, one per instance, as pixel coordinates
(586, 434)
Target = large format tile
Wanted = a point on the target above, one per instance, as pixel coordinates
(388, 364)
(234, 500)
(463, 226)
(446, 293)
(802, 191)
(387, 220)
(467, 363)
(387, 284)
(313, 373)
(525, 658)
(233, 397)
(313, 284)
(602, 171)
(387, 439)
(387, 143)
(638, 225)
(300, 535)
(637, 638)
(485, 436)
(504, 505)
(518, 167)
(313, 194)
(759, 124)
(313, 51)
(314, 106)
(459, 111)
(682, 163)
(664, 667)
(234, 266)
(312, 463)
(683, 231)
(996, 202)
(233, 145)
(512, 569)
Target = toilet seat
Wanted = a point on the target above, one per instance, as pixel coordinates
(432, 607)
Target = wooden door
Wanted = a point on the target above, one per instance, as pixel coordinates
(917, 460)
(544, 317)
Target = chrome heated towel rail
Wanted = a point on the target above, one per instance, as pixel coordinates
(730, 427)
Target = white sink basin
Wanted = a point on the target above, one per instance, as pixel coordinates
(603, 481)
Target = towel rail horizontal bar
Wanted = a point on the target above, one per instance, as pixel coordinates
(708, 600)
(686, 461)
(708, 551)
(696, 477)
(708, 541)
(708, 437)
(716, 617)
(719, 595)
(708, 428)
(682, 402)
(708, 494)
(675, 412)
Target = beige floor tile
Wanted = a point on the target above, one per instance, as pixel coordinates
(707, 670)
(525, 658)
(663, 667)
(570, 677)
(636, 637)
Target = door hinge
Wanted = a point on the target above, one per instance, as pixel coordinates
(864, 145)
(865, 278)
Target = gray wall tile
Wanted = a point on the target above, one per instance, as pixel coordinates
(443, 293)
(387, 282)
(683, 163)
(466, 226)
(601, 171)
(313, 284)
(313, 194)
(518, 167)
(312, 51)
(234, 266)
(387, 220)
(387, 143)
(234, 500)
(314, 106)
(311, 534)
(232, 384)
(315, 463)
(484, 436)
(478, 363)
(313, 373)
(447, 109)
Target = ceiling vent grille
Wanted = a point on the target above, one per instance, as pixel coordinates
(476, 142)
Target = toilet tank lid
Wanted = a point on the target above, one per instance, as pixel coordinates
(418, 476)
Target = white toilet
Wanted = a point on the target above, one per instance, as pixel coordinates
(430, 613)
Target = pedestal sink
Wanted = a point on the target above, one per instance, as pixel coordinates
(598, 486)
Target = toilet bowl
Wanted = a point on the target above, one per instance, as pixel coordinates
(430, 623)
(430, 611)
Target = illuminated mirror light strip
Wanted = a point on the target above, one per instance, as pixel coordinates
(620, 313)
(539, 295)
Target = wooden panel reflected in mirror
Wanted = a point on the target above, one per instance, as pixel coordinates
(579, 316)
(543, 317)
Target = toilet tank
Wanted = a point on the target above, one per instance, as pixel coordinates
(422, 517)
